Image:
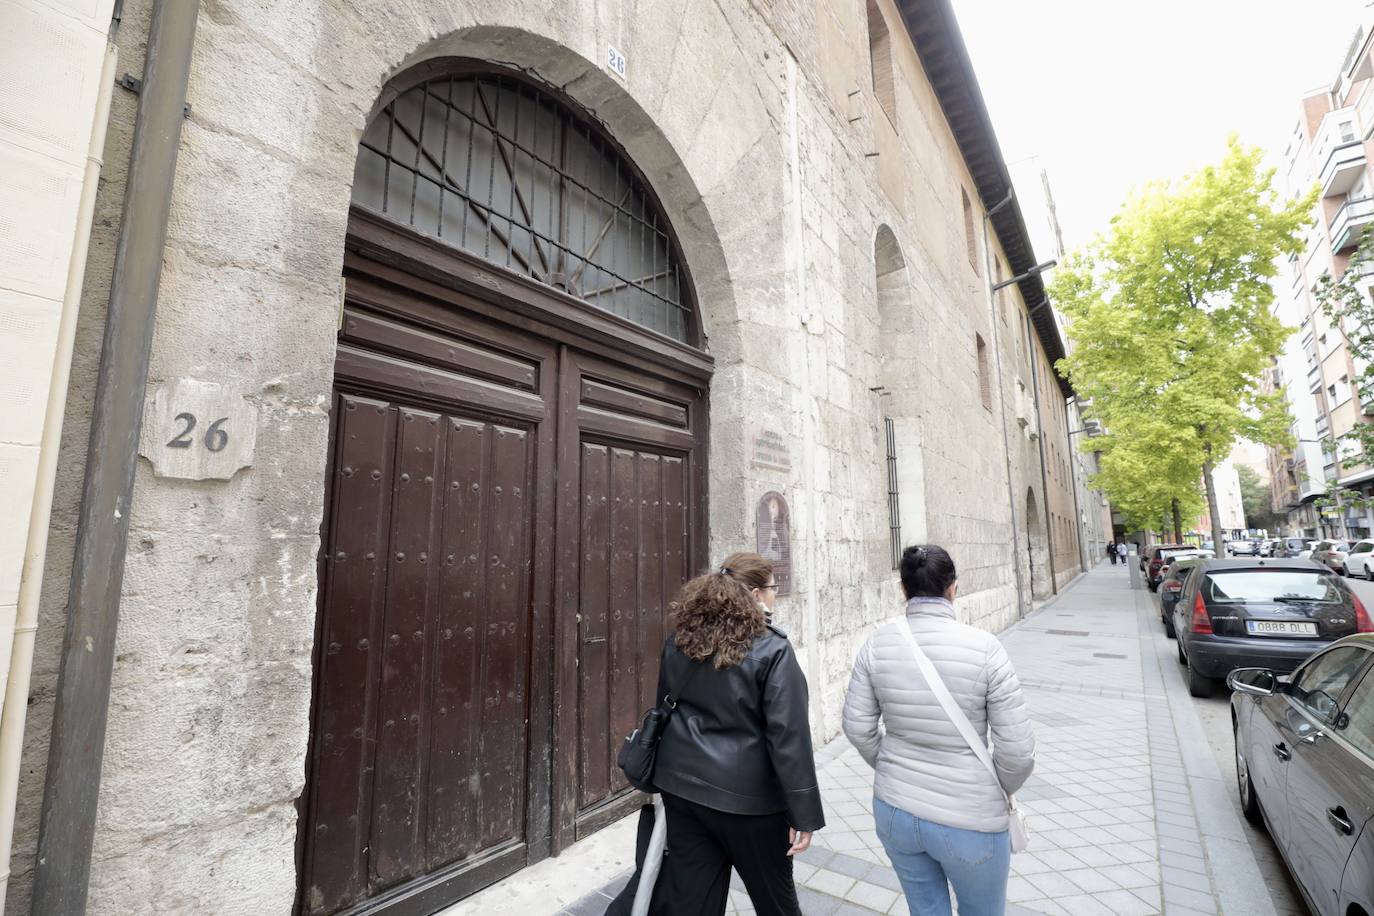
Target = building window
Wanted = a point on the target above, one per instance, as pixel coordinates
(1341, 392)
(493, 164)
(984, 375)
(969, 240)
(880, 62)
(1347, 131)
(894, 524)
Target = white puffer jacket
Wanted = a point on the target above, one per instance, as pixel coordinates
(923, 765)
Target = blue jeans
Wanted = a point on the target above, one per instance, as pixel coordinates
(929, 857)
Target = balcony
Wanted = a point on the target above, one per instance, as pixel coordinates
(1323, 425)
(1343, 167)
(1350, 222)
(1339, 152)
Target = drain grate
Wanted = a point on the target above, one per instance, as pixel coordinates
(1107, 655)
(1068, 632)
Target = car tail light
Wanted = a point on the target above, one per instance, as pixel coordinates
(1362, 622)
(1201, 622)
(1173, 586)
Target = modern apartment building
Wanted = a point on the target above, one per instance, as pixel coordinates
(1330, 147)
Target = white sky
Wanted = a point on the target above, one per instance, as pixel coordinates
(1109, 94)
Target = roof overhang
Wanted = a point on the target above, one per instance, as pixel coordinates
(935, 34)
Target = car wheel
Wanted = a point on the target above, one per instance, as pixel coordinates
(1169, 627)
(1154, 587)
(1249, 801)
(1182, 659)
(1345, 571)
(1199, 686)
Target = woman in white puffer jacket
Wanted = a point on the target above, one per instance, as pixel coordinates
(939, 812)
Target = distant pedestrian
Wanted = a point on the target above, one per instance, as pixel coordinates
(1123, 551)
(1111, 552)
(939, 811)
(735, 765)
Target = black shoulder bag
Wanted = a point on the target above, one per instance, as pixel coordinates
(640, 750)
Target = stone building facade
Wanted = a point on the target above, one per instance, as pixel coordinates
(823, 185)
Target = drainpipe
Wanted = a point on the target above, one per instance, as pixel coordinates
(1021, 601)
(75, 755)
(1078, 520)
(1044, 475)
(30, 584)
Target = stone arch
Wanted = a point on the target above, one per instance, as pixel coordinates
(1037, 548)
(644, 139)
(899, 371)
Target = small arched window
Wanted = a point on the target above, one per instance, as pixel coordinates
(500, 167)
(880, 61)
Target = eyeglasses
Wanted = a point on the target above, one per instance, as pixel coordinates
(774, 586)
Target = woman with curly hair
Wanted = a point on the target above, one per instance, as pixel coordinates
(735, 765)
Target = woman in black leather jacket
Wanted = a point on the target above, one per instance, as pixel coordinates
(735, 764)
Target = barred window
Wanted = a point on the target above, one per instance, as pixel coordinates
(894, 516)
(497, 166)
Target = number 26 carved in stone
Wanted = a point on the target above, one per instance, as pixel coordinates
(216, 438)
(180, 438)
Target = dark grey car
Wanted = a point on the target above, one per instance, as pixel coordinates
(1175, 577)
(1256, 612)
(1305, 768)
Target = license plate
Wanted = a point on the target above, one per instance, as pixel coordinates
(1281, 627)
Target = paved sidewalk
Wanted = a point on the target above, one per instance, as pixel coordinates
(1129, 809)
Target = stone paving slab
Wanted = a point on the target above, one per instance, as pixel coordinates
(1129, 812)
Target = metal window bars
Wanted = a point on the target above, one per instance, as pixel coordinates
(495, 166)
(894, 516)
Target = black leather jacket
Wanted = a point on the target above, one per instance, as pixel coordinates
(740, 739)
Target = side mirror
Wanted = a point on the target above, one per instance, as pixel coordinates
(1258, 682)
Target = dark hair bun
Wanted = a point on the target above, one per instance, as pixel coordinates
(927, 571)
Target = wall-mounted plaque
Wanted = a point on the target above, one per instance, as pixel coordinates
(198, 430)
(770, 451)
(773, 533)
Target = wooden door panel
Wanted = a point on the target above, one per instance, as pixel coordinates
(354, 594)
(500, 780)
(636, 439)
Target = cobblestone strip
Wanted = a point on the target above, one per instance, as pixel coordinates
(1206, 864)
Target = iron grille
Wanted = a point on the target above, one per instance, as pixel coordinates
(497, 167)
(894, 524)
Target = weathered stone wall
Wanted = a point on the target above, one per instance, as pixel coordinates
(746, 127)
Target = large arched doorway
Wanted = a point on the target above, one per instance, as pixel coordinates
(516, 488)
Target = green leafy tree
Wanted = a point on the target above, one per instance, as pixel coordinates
(1146, 468)
(1170, 318)
(1256, 498)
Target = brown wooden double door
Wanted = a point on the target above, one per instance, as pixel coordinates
(507, 518)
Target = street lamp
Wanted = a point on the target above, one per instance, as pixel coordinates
(1034, 271)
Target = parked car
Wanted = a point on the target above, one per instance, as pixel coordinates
(1290, 548)
(1305, 769)
(1360, 560)
(1159, 555)
(1267, 613)
(1246, 547)
(1331, 554)
(1306, 552)
(1175, 575)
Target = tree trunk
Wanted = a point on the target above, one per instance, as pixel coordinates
(1178, 524)
(1218, 540)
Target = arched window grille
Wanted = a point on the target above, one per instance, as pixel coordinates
(499, 167)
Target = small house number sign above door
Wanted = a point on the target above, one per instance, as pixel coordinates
(198, 430)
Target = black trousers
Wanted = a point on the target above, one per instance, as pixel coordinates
(702, 846)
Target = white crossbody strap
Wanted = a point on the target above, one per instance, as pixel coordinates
(952, 710)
